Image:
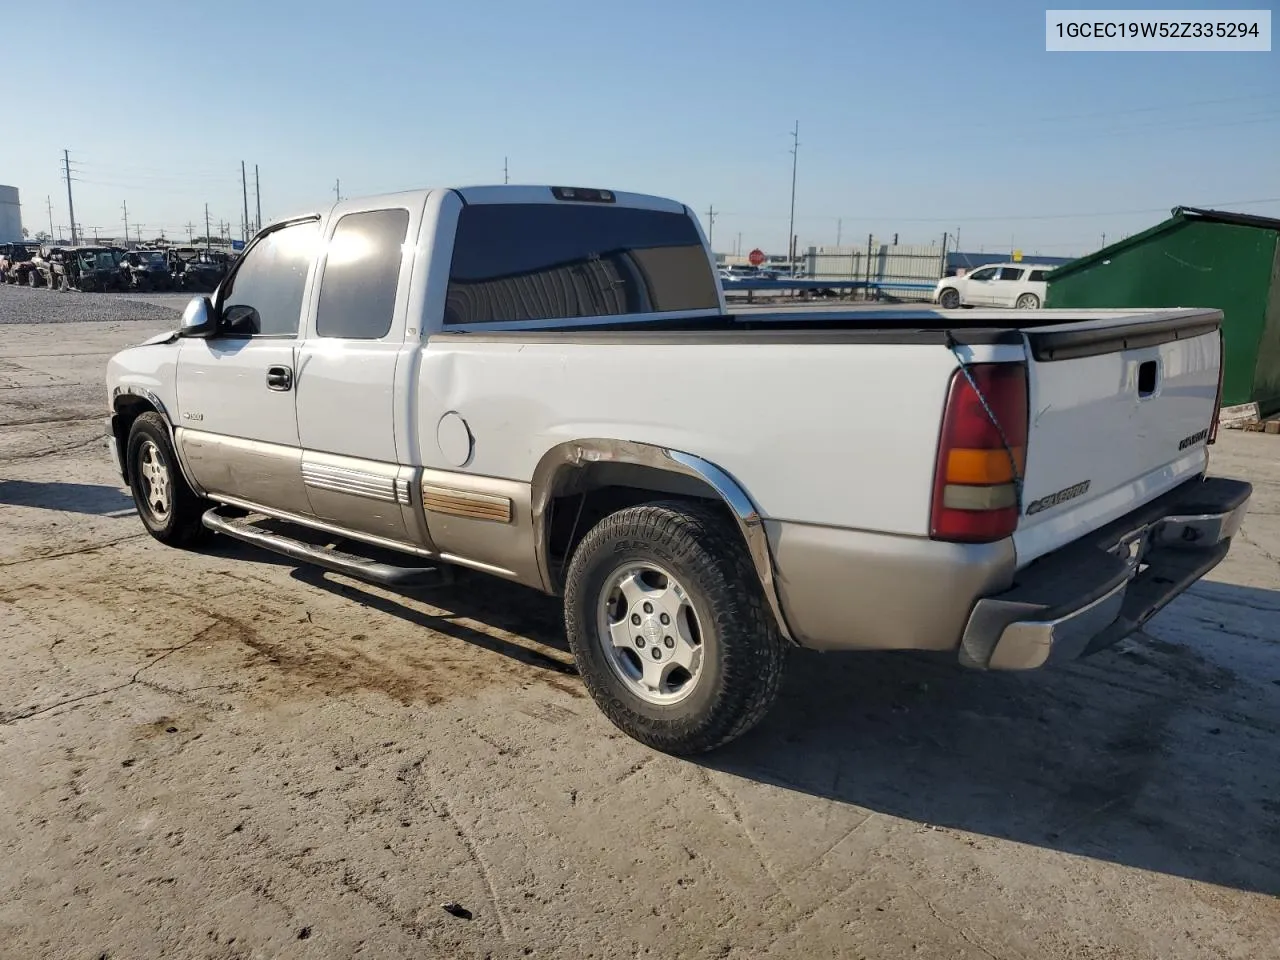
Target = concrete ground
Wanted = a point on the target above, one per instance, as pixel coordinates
(221, 755)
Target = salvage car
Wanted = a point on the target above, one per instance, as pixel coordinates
(144, 270)
(1020, 285)
(196, 270)
(16, 261)
(83, 268)
(544, 384)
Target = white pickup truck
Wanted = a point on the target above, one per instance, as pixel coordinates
(544, 384)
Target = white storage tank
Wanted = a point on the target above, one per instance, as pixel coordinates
(10, 215)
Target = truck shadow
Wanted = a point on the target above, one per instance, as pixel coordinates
(89, 498)
(1160, 754)
(495, 606)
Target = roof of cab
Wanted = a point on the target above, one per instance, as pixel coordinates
(497, 193)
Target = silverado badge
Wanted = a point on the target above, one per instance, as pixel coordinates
(1053, 499)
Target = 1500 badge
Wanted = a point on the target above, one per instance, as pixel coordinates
(1053, 499)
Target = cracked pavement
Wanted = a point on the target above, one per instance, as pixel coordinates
(223, 755)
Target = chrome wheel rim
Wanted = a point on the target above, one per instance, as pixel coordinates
(1027, 302)
(154, 473)
(950, 300)
(650, 633)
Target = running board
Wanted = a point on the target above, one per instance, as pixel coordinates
(361, 568)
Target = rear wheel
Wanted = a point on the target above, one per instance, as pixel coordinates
(169, 509)
(1028, 301)
(670, 629)
(949, 299)
(33, 279)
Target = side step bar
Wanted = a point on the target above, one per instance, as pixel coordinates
(361, 568)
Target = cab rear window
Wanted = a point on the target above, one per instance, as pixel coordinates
(561, 261)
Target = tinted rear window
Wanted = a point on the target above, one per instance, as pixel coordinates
(1038, 275)
(542, 261)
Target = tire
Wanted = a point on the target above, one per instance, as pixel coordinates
(686, 568)
(949, 298)
(1028, 301)
(33, 279)
(152, 462)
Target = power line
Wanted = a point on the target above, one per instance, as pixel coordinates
(888, 218)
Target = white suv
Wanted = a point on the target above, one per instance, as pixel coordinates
(1019, 285)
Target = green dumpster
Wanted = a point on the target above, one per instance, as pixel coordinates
(1196, 258)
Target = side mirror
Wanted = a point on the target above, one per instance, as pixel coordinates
(198, 319)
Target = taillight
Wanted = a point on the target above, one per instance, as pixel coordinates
(1217, 404)
(975, 480)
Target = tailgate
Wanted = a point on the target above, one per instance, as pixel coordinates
(1120, 411)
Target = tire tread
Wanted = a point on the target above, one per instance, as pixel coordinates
(753, 650)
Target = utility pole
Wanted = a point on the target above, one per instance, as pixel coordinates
(1104, 241)
(506, 175)
(244, 189)
(257, 197)
(337, 190)
(791, 224)
(125, 207)
(48, 202)
(66, 165)
(95, 235)
(737, 250)
(711, 225)
(206, 228)
(191, 232)
(839, 230)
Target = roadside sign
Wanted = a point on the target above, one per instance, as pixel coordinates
(755, 257)
(237, 244)
(1017, 256)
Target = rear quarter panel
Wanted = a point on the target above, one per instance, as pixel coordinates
(835, 434)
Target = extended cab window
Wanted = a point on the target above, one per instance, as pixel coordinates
(264, 295)
(361, 271)
(1011, 273)
(558, 261)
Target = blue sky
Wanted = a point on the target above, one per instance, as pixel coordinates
(914, 117)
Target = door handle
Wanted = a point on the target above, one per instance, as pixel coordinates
(279, 378)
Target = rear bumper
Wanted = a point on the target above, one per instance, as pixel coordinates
(1099, 589)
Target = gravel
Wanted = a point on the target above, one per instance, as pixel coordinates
(24, 305)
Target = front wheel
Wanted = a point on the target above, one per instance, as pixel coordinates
(670, 629)
(169, 508)
(949, 299)
(1028, 301)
